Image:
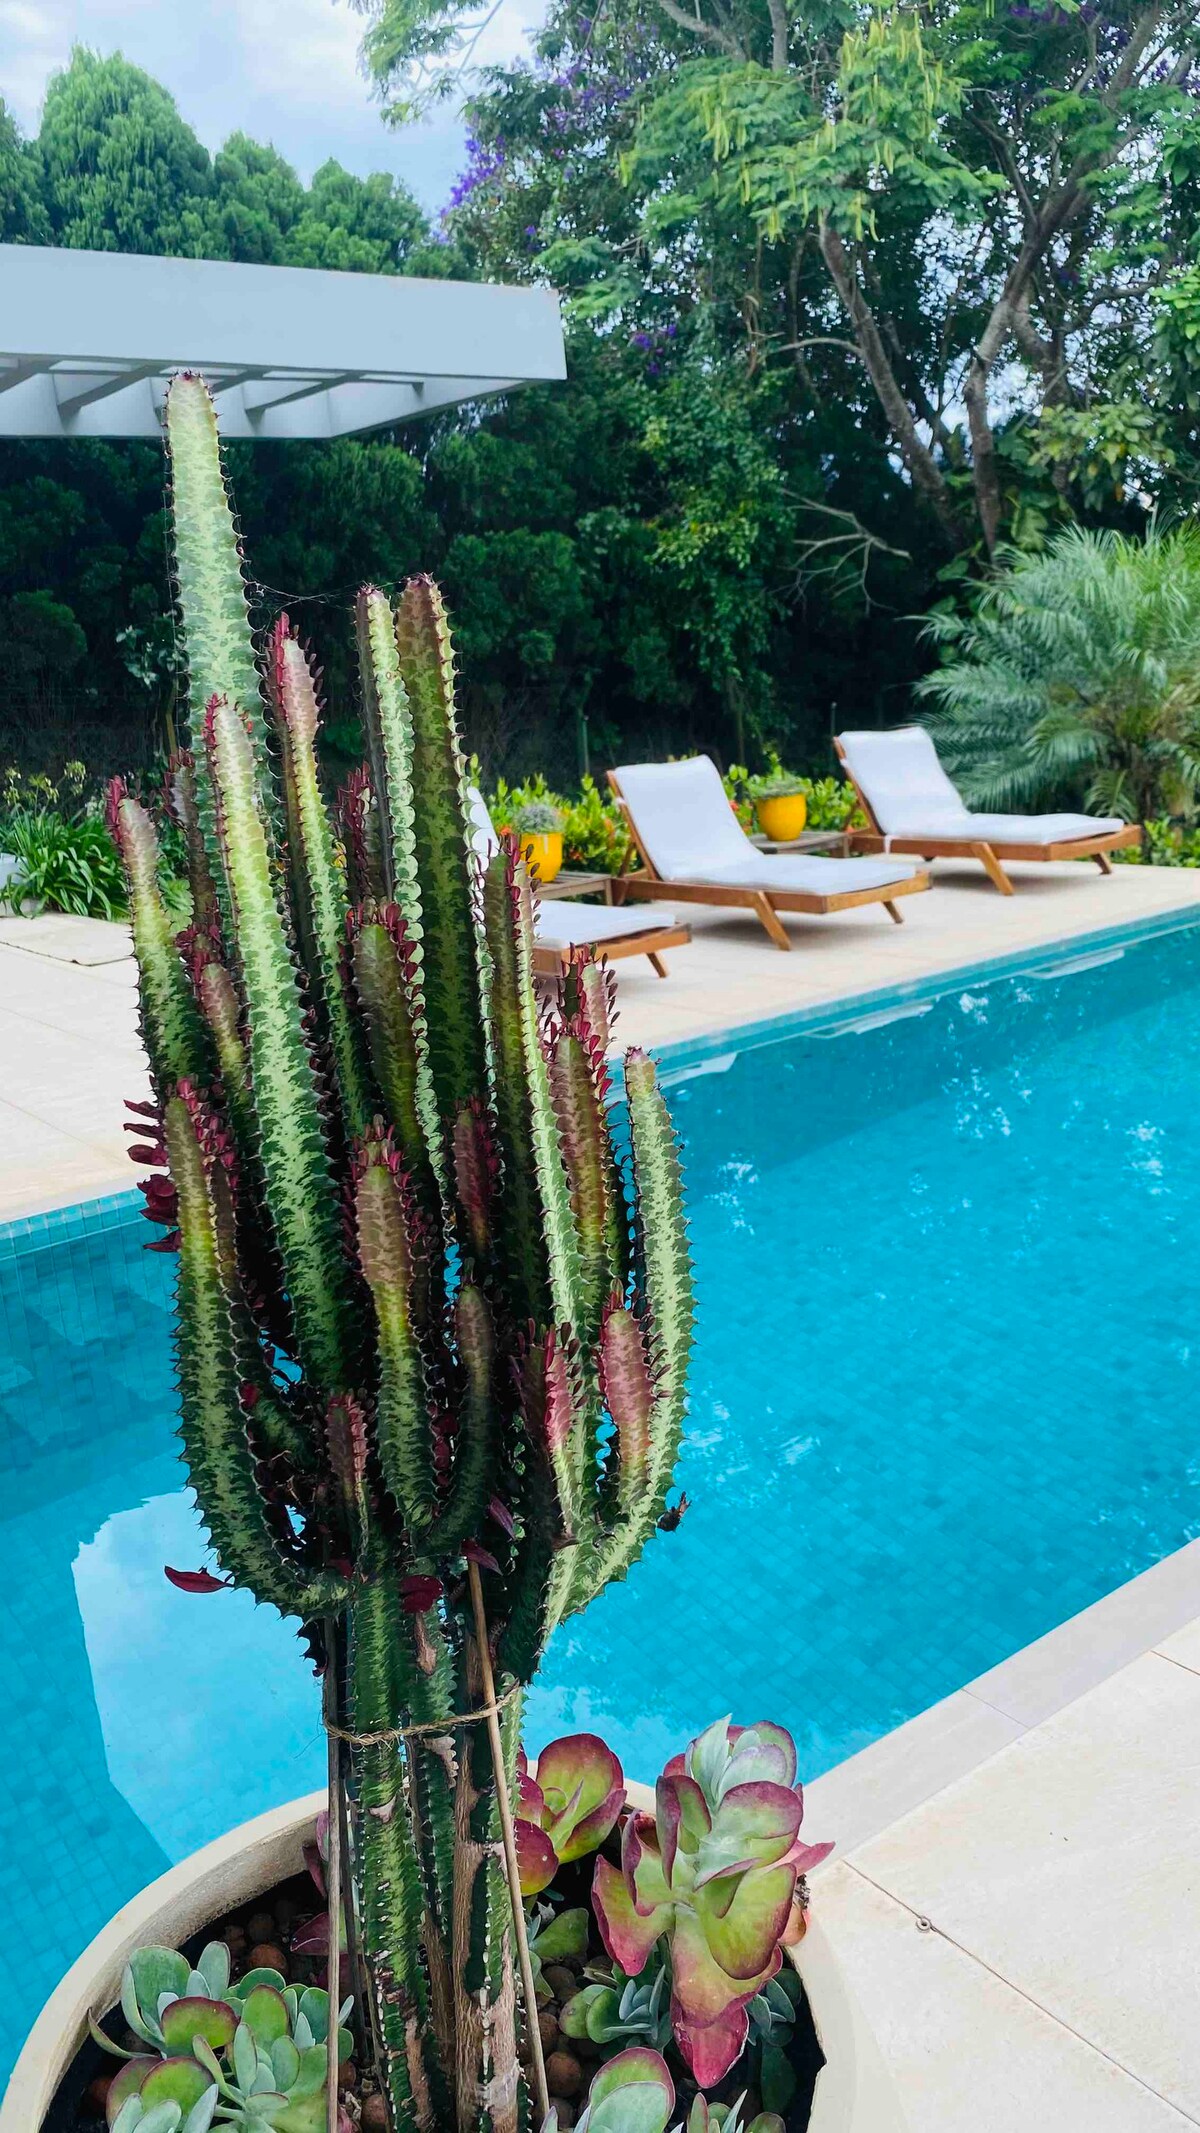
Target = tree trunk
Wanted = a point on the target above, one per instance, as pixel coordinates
(926, 473)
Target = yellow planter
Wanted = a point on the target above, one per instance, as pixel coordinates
(543, 850)
(782, 818)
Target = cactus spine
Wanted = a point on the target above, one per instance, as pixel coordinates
(416, 1284)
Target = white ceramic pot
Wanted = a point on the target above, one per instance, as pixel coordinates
(854, 2092)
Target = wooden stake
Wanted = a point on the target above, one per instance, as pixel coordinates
(510, 1844)
(333, 1883)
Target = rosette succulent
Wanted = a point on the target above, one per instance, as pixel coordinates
(714, 1873)
(568, 1810)
(249, 2055)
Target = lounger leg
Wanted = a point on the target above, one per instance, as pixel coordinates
(1103, 862)
(985, 854)
(892, 912)
(774, 926)
(656, 964)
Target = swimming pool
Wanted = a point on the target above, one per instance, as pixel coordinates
(944, 1395)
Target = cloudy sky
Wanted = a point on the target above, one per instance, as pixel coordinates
(284, 71)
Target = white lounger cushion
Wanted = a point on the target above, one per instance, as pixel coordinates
(911, 796)
(562, 924)
(691, 834)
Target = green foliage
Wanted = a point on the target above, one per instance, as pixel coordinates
(1165, 844)
(538, 817)
(255, 2051)
(831, 802)
(593, 830)
(426, 1317)
(1077, 675)
(67, 860)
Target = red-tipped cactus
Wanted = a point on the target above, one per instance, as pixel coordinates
(714, 1871)
(426, 1317)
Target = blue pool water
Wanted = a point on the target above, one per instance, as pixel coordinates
(944, 1395)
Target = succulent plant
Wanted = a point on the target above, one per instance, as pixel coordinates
(714, 1872)
(706, 2117)
(251, 2054)
(616, 2010)
(427, 1316)
(569, 1809)
(633, 2093)
(555, 1937)
(538, 818)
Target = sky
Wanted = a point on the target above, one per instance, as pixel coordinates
(283, 71)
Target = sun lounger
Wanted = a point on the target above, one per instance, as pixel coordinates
(912, 806)
(562, 926)
(694, 850)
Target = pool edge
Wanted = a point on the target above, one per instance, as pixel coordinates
(902, 1770)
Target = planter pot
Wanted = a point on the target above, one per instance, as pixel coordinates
(782, 818)
(543, 850)
(854, 2092)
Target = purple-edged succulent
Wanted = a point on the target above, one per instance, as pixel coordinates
(256, 2050)
(714, 1871)
(633, 2093)
(568, 1809)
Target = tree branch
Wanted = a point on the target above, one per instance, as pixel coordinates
(779, 36)
(927, 475)
(697, 27)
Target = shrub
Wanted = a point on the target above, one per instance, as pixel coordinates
(1077, 676)
(63, 865)
(593, 827)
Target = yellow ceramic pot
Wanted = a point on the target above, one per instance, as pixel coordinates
(782, 818)
(543, 850)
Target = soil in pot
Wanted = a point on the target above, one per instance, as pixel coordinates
(274, 1932)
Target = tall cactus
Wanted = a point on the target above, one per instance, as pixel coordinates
(427, 1314)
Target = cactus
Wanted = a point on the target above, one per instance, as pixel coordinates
(428, 1315)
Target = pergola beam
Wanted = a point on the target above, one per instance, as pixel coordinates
(101, 388)
(88, 341)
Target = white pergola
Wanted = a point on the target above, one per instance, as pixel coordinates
(88, 341)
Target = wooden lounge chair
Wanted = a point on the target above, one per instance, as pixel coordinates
(912, 806)
(561, 926)
(694, 851)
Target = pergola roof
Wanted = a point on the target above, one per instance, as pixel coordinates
(89, 339)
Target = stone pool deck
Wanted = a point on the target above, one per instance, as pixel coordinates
(70, 1054)
(1016, 1893)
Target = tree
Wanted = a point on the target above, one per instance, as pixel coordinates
(121, 171)
(1078, 674)
(82, 552)
(979, 186)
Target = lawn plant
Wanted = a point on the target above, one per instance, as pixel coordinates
(433, 1316)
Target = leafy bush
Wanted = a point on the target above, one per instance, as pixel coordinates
(1166, 845)
(66, 854)
(64, 865)
(593, 828)
(1077, 676)
(831, 804)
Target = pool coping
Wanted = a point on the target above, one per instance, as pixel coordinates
(832, 1013)
(903, 1769)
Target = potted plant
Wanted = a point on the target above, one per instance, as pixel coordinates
(780, 803)
(432, 1334)
(539, 825)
